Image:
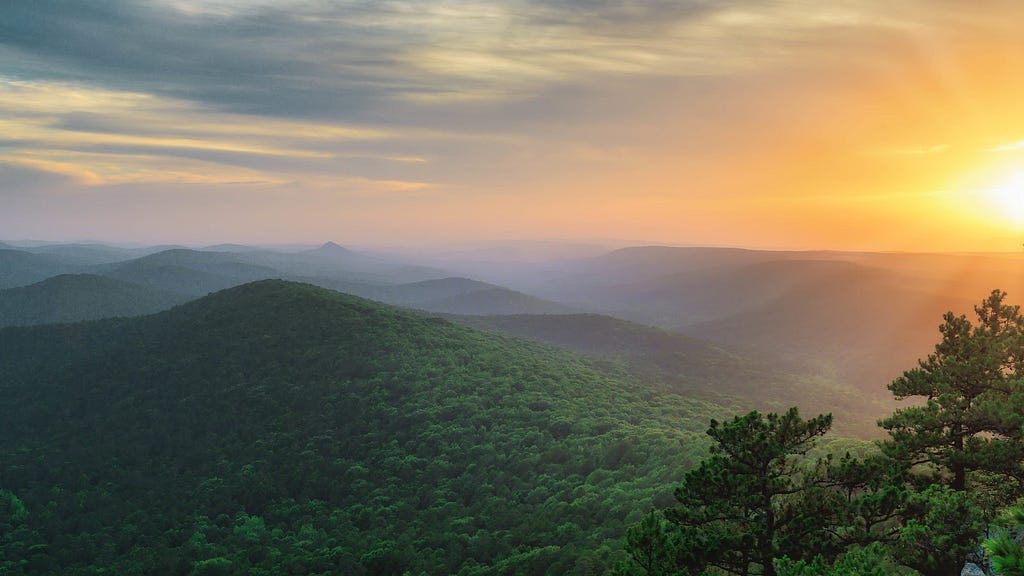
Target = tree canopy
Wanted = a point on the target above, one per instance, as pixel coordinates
(921, 505)
(741, 508)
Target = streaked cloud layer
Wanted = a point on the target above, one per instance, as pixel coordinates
(848, 124)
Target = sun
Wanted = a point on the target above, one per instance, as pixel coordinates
(1007, 197)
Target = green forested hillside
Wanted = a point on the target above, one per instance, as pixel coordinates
(695, 367)
(78, 297)
(280, 428)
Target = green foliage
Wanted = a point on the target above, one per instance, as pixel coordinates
(654, 545)
(78, 297)
(12, 509)
(1006, 549)
(963, 446)
(218, 566)
(920, 506)
(943, 528)
(860, 498)
(744, 506)
(278, 428)
(971, 386)
(694, 367)
(871, 560)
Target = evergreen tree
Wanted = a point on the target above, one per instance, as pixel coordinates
(942, 530)
(962, 447)
(743, 507)
(971, 390)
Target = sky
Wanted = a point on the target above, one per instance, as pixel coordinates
(850, 125)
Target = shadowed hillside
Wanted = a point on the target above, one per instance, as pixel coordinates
(190, 272)
(283, 428)
(74, 298)
(20, 268)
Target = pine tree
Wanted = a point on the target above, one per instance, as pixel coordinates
(962, 447)
(742, 508)
(971, 419)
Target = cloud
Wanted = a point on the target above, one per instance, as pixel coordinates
(24, 179)
(1008, 147)
(331, 59)
(101, 136)
(463, 102)
(912, 150)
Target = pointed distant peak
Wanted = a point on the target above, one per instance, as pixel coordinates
(332, 247)
(331, 251)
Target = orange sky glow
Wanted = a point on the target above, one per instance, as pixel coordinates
(852, 125)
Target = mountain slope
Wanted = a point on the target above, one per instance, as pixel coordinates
(699, 285)
(332, 261)
(414, 293)
(858, 319)
(696, 367)
(863, 324)
(189, 272)
(21, 268)
(90, 254)
(77, 297)
(495, 300)
(466, 296)
(282, 428)
(448, 296)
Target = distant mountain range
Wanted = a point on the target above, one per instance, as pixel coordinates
(854, 319)
(192, 273)
(20, 268)
(78, 297)
(860, 317)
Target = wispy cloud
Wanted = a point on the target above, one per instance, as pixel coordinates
(912, 150)
(320, 58)
(101, 136)
(1008, 147)
(459, 102)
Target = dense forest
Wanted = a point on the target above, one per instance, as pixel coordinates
(78, 297)
(283, 428)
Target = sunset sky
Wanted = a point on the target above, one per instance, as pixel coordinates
(788, 124)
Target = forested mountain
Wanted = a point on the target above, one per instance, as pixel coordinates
(466, 296)
(21, 268)
(78, 297)
(191, 272)
(696, 367)
(92, 254)
(199, 272)
(850, 320)
(281, 428)
(444, 295)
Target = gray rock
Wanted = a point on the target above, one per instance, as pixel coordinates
(971, 569)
